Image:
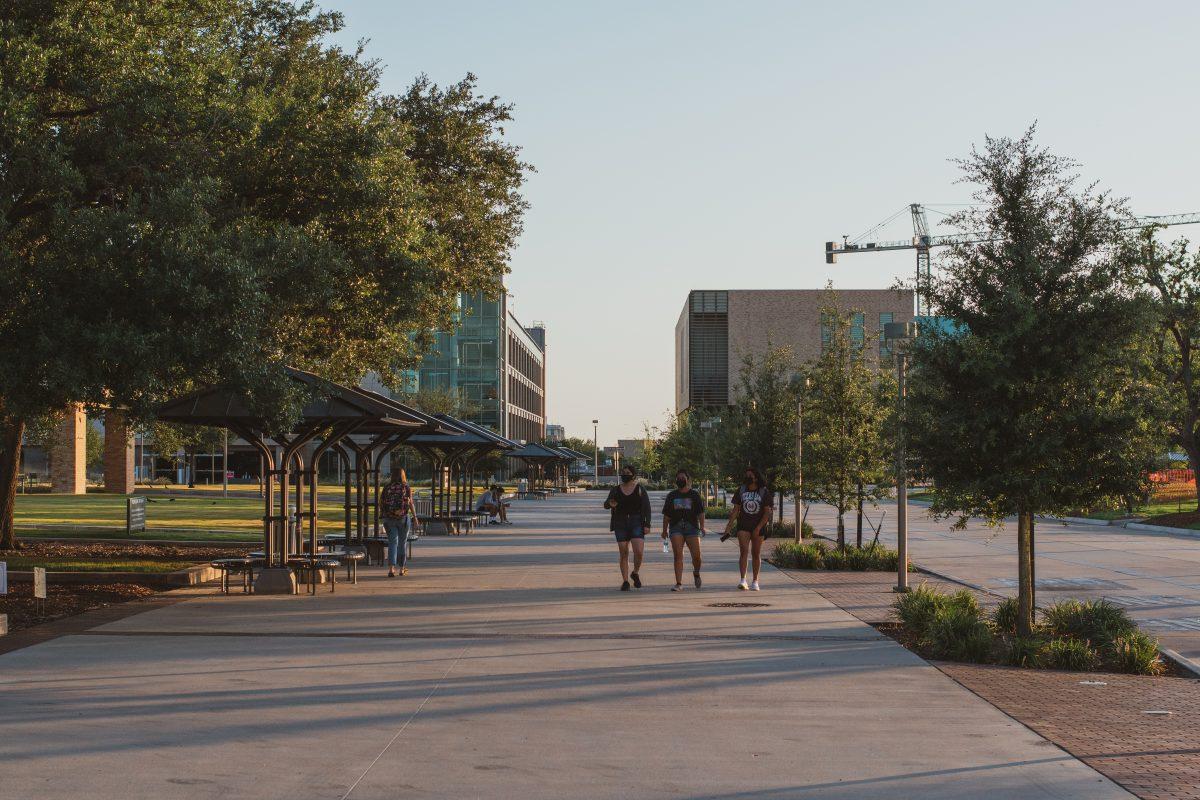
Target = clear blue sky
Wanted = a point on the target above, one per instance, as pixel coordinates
(686, 145)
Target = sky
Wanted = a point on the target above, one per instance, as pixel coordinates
(718, 145)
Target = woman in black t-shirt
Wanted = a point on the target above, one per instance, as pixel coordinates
(683, 521)
(630, 505)
(752, 504)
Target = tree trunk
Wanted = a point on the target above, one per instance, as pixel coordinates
(841, 530)
(11, 433)
(1024, 573)
(858, 537)
(1193, 454)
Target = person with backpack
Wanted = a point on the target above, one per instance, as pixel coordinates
(630, 522)
(398, 513)
(752, 507)
(683, 521)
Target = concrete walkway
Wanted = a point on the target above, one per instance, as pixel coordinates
(1155, 576)
(508, 666)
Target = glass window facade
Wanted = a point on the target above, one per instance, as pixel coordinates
(491, 361)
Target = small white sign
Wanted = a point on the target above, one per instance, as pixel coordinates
(3, 577)
(39, 583)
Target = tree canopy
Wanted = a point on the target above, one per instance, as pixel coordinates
(1031, 402)
(201, 191)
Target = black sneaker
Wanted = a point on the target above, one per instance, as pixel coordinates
(696, 575)
(625, 586)
(637, 580)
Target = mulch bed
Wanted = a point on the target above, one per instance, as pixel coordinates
(63, 601)
(1097, 717)
(104, 551)
(1181, 520)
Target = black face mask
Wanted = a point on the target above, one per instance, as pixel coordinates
(627, 477)
(681, 482)
(749, 479)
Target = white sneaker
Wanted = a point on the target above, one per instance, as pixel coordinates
(678, 587)
(743, 586)
(754, 586)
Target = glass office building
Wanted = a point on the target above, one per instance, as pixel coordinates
(496, 364)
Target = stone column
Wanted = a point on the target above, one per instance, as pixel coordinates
(68, 453)
(118, 453)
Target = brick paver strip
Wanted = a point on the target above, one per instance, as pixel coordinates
(1153, 756)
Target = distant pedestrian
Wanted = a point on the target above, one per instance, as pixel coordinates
(630, 505)
(398, 512)
(683, 521)
(752, 505)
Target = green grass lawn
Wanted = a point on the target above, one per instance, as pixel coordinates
(237, 515)
(16, 563)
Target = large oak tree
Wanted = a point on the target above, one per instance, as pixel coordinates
(194, 191)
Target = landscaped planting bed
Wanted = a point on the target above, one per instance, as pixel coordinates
(1092, 635)
(816, 554)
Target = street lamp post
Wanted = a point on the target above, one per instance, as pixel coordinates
(596, 445)
(901, 332)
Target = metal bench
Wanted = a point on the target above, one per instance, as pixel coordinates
(243, 565)
(313, 566)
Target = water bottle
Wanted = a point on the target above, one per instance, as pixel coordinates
(666, 546)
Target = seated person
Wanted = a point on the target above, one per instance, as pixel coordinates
(487, 502)
(492, 501)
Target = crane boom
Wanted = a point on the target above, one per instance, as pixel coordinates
(918, 241)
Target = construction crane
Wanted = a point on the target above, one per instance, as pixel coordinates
(922, 242)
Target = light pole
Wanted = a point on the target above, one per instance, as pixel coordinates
(901, 332)
(225, 464)
(710, 466)
(596, 445)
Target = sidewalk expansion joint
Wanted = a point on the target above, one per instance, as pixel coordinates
(666, 637)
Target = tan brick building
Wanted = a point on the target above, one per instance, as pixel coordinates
(718, 329)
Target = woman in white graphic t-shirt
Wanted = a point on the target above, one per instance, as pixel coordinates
(752, 506)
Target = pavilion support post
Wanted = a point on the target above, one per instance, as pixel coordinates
(347, 481)
(330, 442)
(270, 579)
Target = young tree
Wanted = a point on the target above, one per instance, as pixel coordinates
(203, 192)
(761, 429)
(1168, 276)
(1030, 402)
(847, 405)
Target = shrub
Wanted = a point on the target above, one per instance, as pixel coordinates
(717, 512)
(799, 555)
(1004, 618)
(1023, 652)
(964, 600)
(836, 559)
(1067, 653)
(1136, 653)
(916, 609)
(1096, 621)
(958, 633)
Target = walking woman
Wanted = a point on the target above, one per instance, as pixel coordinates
(683, 521)
(398, 512)
(630, 505)
(752, 505)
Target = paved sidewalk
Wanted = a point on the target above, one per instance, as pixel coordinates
(508, 666)
(1097, 717)
(1156, 577)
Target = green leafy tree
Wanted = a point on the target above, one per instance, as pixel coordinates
(202, 192)
(1029, 403)
(692, 441)
(847, 408)
(761, 427)
(1168, 276)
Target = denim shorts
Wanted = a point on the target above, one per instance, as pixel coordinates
(683, 528)
(630, 527)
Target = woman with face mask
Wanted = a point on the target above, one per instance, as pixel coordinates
(683, 521)
(752, 505)
(630, 506)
